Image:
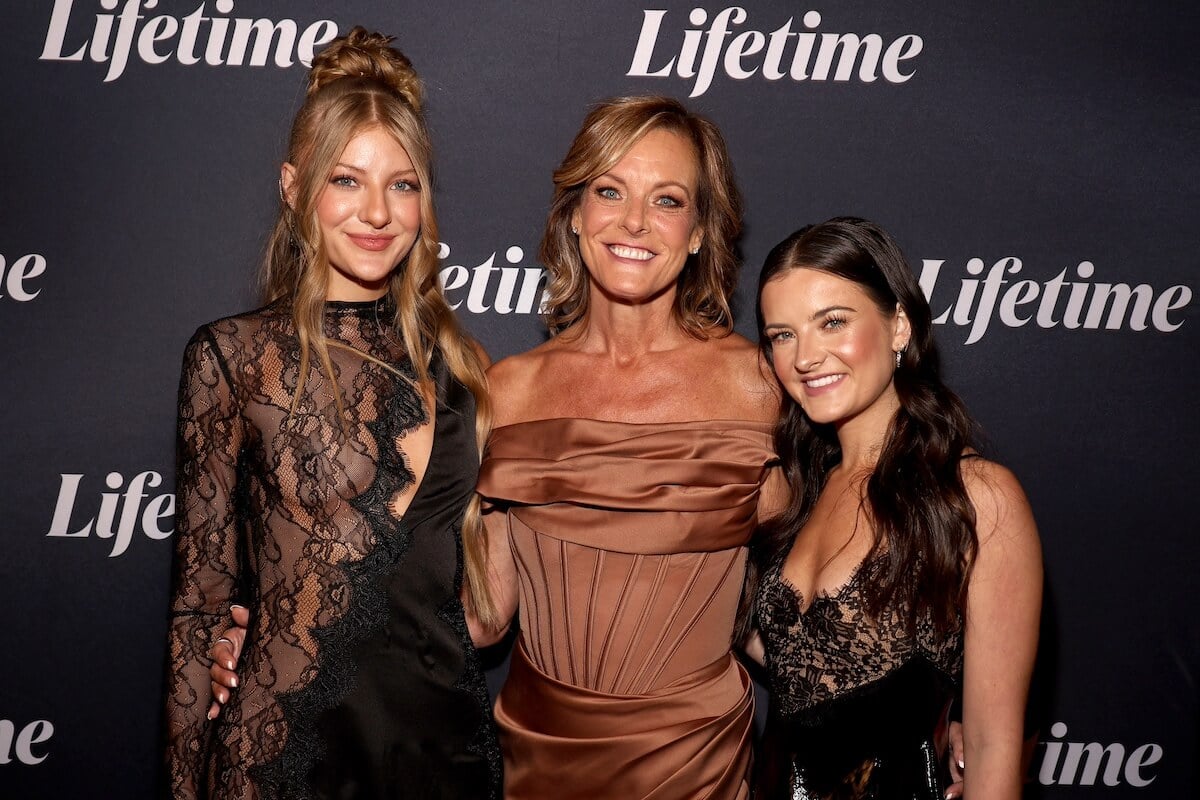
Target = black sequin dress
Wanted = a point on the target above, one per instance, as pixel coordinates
(358, 677)
(855, 701)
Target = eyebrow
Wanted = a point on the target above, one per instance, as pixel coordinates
(352, 168)
(816, 315)
(613, 177)
(822, 312)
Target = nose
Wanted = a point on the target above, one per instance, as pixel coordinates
(634, 218)
(808, 354)
(374, 209)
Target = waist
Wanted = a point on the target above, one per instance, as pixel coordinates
(547, 704)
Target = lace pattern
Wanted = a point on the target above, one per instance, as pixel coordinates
(289, 514)
(834, 649)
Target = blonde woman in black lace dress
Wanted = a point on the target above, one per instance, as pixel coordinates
(328, 451)
(906, 566)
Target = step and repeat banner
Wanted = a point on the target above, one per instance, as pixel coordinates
(1037, 161)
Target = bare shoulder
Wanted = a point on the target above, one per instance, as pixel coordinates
(512, 382)
(750, 376)
(1002, 510)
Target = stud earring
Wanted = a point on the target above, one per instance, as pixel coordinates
(693, 252)
(574, 230)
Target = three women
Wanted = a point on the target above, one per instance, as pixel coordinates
(629, 467)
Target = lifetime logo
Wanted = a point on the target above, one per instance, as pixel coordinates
(1081, 762)
(189, 40)
(1071, 304)
(19, 744)
(801, 55)
(120, 514)
(517, 289)
(14, 277)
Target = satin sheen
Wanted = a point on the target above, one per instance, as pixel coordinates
(630, 542)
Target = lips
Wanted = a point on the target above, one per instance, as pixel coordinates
(371, 242)
(631, 253)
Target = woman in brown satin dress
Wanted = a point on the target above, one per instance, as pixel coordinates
(625, 474)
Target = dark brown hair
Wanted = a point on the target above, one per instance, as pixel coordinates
(921, 516)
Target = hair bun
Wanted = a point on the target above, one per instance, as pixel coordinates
(365, 54)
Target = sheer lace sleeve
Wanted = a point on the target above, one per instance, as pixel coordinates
(210, 435)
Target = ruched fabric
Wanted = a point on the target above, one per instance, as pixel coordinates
(630, 542)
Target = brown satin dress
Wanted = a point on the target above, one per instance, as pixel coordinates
(630, 543)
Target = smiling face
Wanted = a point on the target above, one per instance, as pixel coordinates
(369, 213)
(637, 222)
(833, 349)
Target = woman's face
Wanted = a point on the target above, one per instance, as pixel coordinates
(369, 213)
(832, 348)
(638, 221)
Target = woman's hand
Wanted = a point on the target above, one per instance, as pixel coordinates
(226, 653)
(957, 764)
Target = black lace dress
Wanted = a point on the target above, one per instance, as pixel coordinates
(854, 701)
(358, 678)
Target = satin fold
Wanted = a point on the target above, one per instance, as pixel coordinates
(687, 740)
(630, 545)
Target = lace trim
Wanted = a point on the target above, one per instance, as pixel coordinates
(285, 776)
(832, 650)
(484, 742)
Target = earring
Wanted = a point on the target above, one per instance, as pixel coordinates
(574, 230)
(282, 199)
(693, 252)
(899, 354)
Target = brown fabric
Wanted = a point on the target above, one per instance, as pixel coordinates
(630, 547)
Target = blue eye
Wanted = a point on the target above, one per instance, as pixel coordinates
(407, 186)
(343, 180)
(778, 336)
(835, 322)
(608, 193)
(670, 202)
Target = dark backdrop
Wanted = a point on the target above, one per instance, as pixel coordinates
(1051, 143)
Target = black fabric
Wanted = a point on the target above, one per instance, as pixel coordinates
(855, 701)
(358, 676)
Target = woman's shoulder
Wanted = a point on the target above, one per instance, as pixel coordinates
(753, 390)
(236, 338)
(1000, 504)
(242, 325)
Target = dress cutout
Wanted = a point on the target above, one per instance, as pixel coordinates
(854, 701)
(358, 677)
(630, 544)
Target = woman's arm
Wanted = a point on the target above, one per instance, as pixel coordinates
(206, 554)
(1003, 608)
(502, 580)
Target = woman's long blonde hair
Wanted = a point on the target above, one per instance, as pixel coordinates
(357, 83)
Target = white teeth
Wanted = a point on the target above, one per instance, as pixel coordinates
(636, 253)
(819, 382)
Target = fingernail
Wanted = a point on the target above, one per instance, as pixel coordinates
(961, 765)
(229, 664)
(209, 715)
(234, 681)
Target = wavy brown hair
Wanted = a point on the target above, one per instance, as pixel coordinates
(608, 132)
(357, 83)
(921, 516)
